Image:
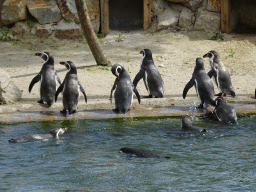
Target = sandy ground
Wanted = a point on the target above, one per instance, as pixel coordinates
(174, 54)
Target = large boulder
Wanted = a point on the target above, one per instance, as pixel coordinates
(9, 92)
(44, 12)
(186, 18)
(13, 11)
(193, 4)
(207, 21)
(213, 5)
(168, 18)
(68, 10)
(67, 30)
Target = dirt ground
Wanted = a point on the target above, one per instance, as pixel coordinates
(174, 54)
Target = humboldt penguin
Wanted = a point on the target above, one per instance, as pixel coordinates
(203, 84)
(142, 153)
(220, 74)
(70, 87)
(47, 77)
(53, 134)
(186, 125)
(151, 76)
(123, 89)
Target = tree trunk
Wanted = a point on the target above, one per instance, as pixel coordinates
(89, 33)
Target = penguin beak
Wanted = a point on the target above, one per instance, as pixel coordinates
(62, 63)
(141, 52)
(39, 54)
(206, 55)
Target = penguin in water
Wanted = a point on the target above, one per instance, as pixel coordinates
(203, 84)
(53, 134)
(151, 76)
(123, 89)
(220, 74)
(223, 112)
(142, 153)
(186, 125)
(70, 87)
(47, 77)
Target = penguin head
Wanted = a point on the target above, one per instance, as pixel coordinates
(219, 100)
(117, 70)
(58, 131)
(146, 54)
(70, 66)
(47, 57)
(186, 122)
(199, 63)
(211, 54)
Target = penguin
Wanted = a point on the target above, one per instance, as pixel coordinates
(223, 112)
(142, 153)
(123, 89)
(47, 77)
(70, 87)
(220, 74)
(53, 134)
(186, 125)
(203, 84)
(151, 76)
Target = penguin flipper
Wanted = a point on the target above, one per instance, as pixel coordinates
(136, 93)
(187, 87)
(211, 73)
(113, 88)
(34, 81)
(138, 77)
(82, 90)
(58, 91)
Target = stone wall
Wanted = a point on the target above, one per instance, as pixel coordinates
(59, 17)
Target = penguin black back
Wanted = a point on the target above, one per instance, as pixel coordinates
(142, 153)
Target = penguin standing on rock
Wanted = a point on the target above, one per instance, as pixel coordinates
(203, 84)
(47, 77)
(151, 76)
(220, 73)
(123, 89)
(70, 87)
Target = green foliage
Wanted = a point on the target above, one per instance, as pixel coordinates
(31, 25)
(7, 34)
(217, 36)
(100, 36)
(120, 37)
(105, 68)
(159, 56)
(232, 53)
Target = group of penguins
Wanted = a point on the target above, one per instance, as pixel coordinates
(124, 88)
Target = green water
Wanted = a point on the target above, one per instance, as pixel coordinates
(87, 157)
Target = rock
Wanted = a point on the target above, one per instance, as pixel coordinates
(213, 5)
(67, 30)
(9, 92)
(94, 13)
(193, 4)
(207, 21)
(168, 18)
(185, 20)
(13, 11)
(68, 10)
(158, 7)
(21, 28)
(179, 1)
(44, 31)
(44, 12)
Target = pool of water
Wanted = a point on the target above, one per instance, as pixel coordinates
(87, 156)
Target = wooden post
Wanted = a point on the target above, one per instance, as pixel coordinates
(104, 9)
(146, 14)
(225, 16)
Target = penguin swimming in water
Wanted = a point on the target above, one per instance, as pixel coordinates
(53, 134)
(223, 112)
(151, 76)
(47, 77)
(186, 125)
(203, 84)
(142, 153)
(220, 73)
(70, 87)
(123, 89)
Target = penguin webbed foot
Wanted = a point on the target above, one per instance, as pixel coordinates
(72, 112)
(220, 94)
(64, 111)
(40, 101)
(201, 106)
(116, 110)
(150, 96)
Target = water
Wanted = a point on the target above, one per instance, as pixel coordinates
(87, 156)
